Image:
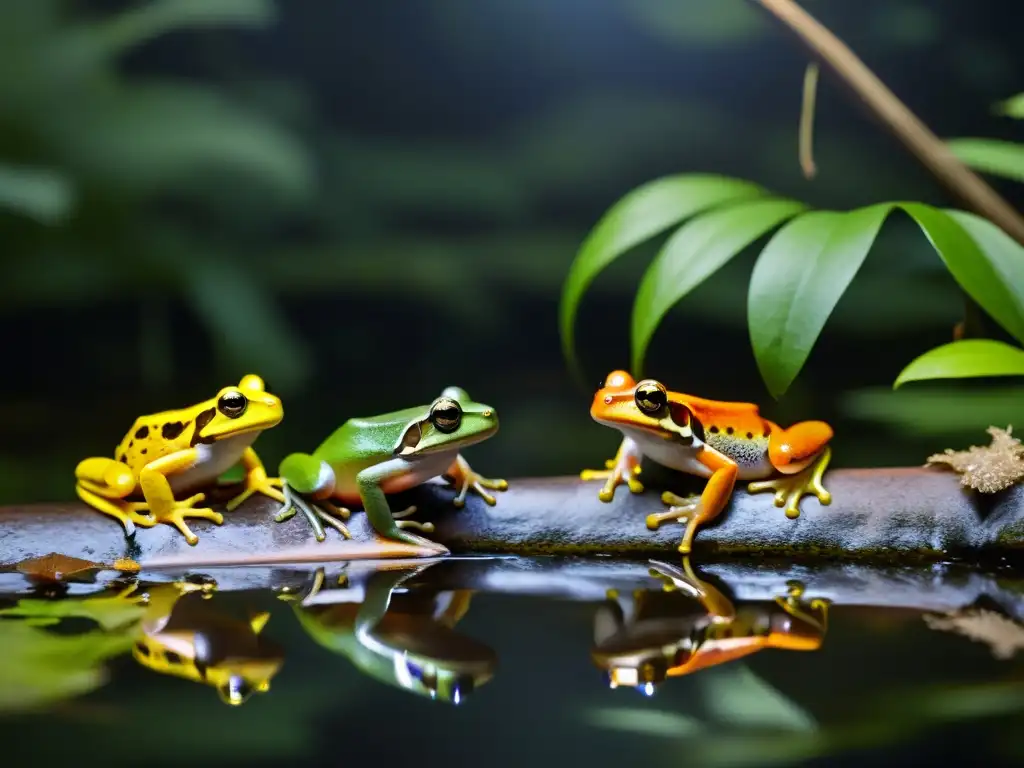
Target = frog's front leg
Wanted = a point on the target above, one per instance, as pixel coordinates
(718, 606)
(104, 484)
(712, 501)
(801, 455)
(624, 468)
(256, 481)
(162, 504)
(375, 502)
(460, 475)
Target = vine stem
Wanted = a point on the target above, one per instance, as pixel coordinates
(928, 148)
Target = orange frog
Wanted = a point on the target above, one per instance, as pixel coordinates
(721, 441)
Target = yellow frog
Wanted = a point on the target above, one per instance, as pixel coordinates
(173, 453)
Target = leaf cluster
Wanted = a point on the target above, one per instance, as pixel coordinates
(802, 271)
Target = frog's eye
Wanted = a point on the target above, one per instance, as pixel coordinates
(650, 396)
(446, 414)
(232, 404)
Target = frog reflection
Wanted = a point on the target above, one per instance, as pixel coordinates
(641, 639)
(181, 635)
(404, 638)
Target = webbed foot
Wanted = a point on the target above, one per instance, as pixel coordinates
(460, 475)
(258, 482)
(314, 513)
(789, 489)
(616, 473)
(186, 508)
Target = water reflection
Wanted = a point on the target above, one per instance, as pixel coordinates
(647, 635)
(183, 635)
(400, 622)
(404, 637)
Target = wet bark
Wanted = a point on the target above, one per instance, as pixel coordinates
(882, 514)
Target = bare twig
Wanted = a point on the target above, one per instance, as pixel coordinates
(807, 122)
(915, 135)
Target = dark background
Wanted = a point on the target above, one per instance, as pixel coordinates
(366, 202)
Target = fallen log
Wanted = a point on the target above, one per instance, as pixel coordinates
(885, 514)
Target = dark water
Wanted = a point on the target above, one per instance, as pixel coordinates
(767, 664)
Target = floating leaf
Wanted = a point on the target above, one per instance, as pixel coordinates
(643, 213)
(797, 281)
(1011, 107)
(696, 251)
(42, 194)
(999, 158)
(967, 358)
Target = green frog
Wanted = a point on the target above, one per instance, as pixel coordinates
(369, 457)
(405, 640)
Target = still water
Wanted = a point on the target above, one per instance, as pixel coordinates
(508, 661)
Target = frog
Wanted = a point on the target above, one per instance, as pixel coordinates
(398, 634)
(687, 625)
(166, 456)
(369, 457)
(722, 441)
(182, 637)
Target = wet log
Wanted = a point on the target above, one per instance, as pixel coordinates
(905, 514)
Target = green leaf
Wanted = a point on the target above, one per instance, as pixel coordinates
(1006, 257)
(979, 260)
(797, 281)
(245, 324)
(737, 696)
(999, 158)
(183, 136)
(648, 722)
(936, 410)
(968, 358)
(44, 195)
(157, 17)
(643, 213)
(693, 253)
(1011, 107)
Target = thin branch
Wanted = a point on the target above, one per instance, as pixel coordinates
(929, 149)
(807, 122)
(883, 514)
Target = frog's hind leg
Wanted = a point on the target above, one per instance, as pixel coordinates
(162, 504)
(801, 454)
(104, 484)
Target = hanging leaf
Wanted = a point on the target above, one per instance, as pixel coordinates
(968, 358)
(643, 213)
(1011, 107)
(979, 262)
(44, 195)
(1006, 257)
(797, 281)
(999, 158)
(693, 253)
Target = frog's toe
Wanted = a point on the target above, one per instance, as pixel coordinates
(425, 527)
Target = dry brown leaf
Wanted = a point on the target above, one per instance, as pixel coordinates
(1004, 636)
(988, 468)
(56, 567)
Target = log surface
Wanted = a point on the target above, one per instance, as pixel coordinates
(909, 513)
